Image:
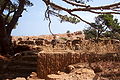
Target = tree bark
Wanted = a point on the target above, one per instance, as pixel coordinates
(4, 39)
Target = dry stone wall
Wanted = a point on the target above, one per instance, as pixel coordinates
(52, 62)
(56, 61)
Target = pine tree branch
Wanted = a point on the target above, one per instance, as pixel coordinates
(104, 12)
(107, 9)
(80, 18)
(75, 4)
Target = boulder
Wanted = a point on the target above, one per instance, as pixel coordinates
(77, 74)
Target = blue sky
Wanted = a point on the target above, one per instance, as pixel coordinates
(32, 23)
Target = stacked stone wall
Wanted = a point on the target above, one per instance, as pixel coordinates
(52, 62)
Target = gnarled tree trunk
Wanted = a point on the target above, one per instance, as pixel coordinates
(5, 30)
(4, 39)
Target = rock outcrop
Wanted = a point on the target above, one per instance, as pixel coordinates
(76, 74)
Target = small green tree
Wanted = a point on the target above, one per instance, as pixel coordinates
(105, 25)
(90, 33)
(68, 31)
(111, 24)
